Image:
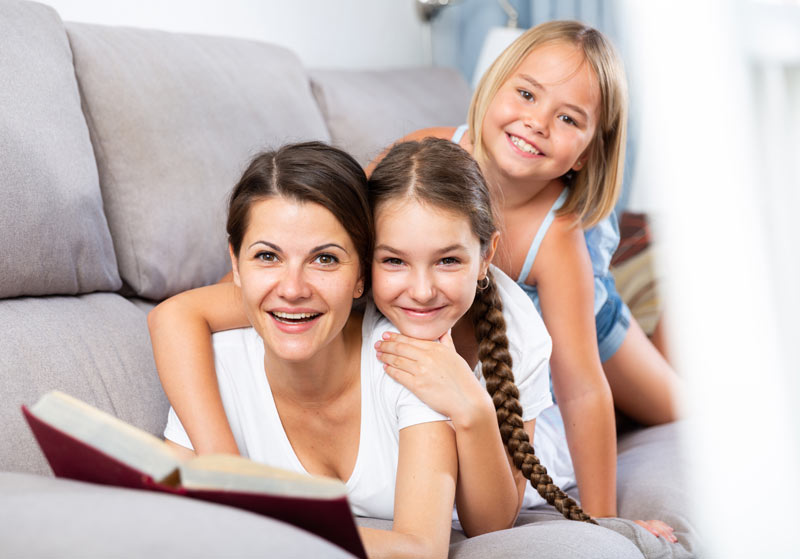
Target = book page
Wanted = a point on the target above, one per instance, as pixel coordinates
(112, 436)
(228, 472)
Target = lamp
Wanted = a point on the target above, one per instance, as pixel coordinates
(496, 41)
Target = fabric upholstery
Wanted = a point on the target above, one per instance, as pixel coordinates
(94, 347)
(45, 517)
(53, 234)
(174, 119)
(554, 539)
(652, 472)
(542, 533)
(367, 111)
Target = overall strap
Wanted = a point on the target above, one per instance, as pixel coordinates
(537, 240)
(458, 133)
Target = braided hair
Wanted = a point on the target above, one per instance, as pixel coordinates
(442, 174)
(490, 332)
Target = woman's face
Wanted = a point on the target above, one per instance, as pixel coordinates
(425, 268)
(298, 271)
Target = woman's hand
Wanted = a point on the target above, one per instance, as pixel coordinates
(436, 374)
(658, 529)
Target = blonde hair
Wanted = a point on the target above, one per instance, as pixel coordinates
(595, 189)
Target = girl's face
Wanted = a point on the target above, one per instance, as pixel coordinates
(543, 118)
(425, 267)
(298, 271)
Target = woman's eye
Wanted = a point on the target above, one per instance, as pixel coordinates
(327, 259)
(568, 119)
(265, 256)
(525, 94)
(450, 260)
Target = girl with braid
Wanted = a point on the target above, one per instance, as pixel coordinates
(433, 219)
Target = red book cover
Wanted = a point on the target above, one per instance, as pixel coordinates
(72, 458)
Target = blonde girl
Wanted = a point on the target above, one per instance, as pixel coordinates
(547, 125)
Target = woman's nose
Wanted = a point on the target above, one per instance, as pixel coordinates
(293, 284)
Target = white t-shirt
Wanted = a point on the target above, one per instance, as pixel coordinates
(386, 408)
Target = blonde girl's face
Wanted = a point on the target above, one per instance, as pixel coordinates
(543, 118)
(299, 271)
(425, 267)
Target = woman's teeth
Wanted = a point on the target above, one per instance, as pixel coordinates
(291, 318)
(524, 146)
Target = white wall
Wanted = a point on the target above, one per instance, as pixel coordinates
(719, 153)
(324, 33)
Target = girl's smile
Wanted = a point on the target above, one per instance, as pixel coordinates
(425, 267)
(543, 118)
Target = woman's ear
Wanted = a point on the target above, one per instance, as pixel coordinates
(234, 266)
(490, 251)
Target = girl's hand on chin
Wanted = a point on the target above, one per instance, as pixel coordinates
(436, 374)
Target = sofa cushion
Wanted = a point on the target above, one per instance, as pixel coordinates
(174, 120)
(53, 232)
(652, 474)
(45, 517)
(94, 347)
(367, 111)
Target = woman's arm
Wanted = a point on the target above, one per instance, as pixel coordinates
(180, 331)
(487, 496)
(424, 491)
(563, 275)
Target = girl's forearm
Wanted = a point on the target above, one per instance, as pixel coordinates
(185, 362)
(487, 496)
(591, 436)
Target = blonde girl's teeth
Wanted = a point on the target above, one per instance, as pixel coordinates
(524, 146)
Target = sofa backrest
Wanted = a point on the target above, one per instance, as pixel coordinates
(174, 120)
(366, 111)
(54, 239)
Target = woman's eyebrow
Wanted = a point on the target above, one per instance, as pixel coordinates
(328, 245)
(273, 246)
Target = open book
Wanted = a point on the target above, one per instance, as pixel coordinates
(86, 444)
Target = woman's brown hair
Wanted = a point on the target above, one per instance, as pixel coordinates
(440, 173)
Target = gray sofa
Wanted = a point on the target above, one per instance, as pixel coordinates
(118, 147)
